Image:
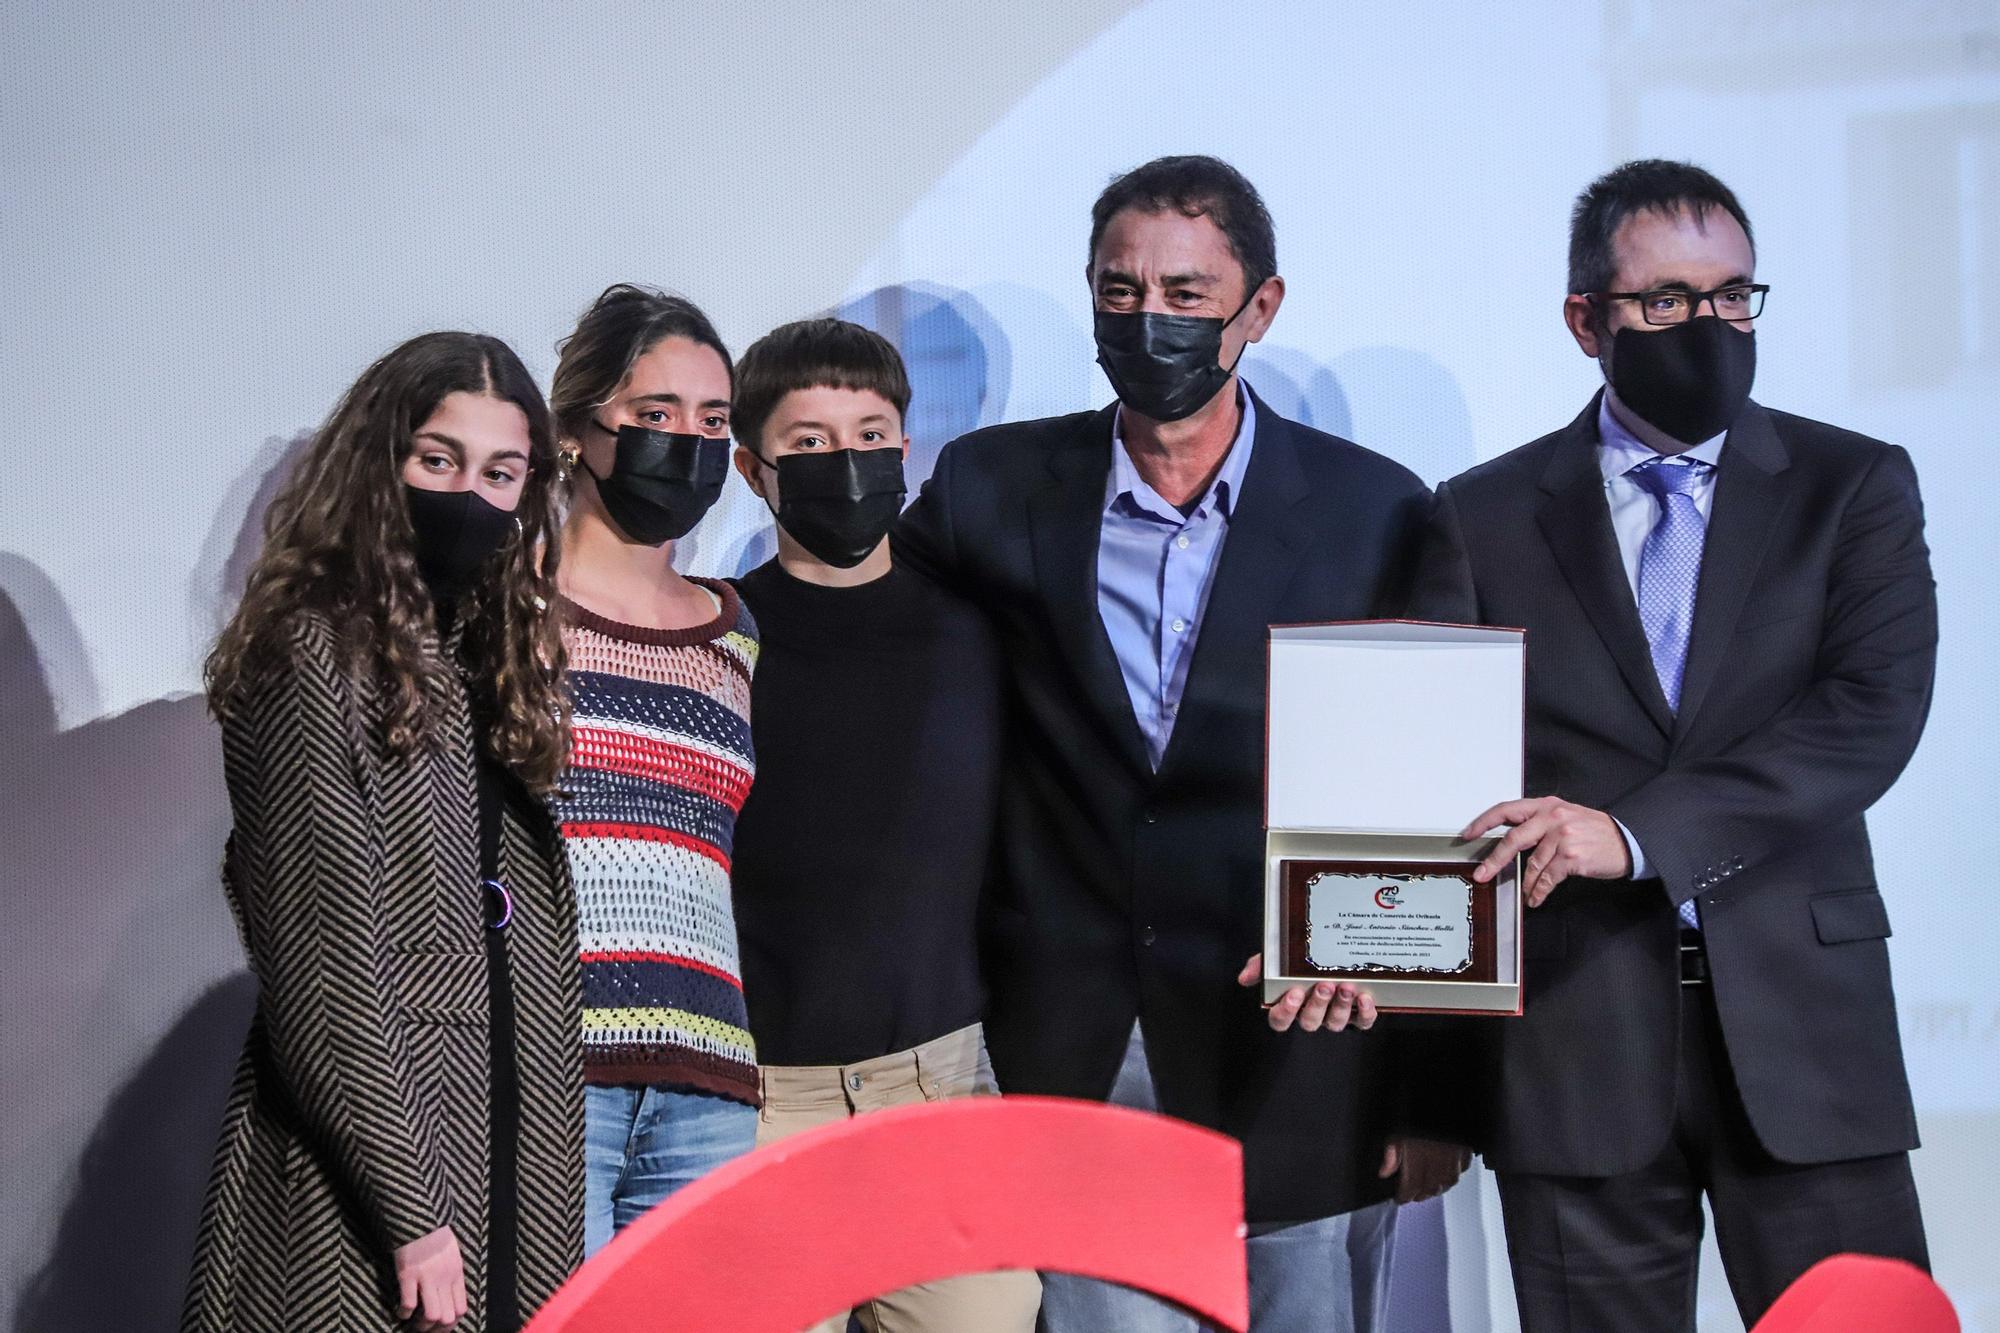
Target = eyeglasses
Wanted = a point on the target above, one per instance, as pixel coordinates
(1740, 302)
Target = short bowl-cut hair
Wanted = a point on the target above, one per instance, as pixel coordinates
(1651, 185)
(1197, 186)
(821, 353)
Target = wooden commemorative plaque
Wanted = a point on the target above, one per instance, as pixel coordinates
(1417, 920)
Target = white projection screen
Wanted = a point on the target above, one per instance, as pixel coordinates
(212, 217)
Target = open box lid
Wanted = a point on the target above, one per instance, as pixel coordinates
(1392, 726)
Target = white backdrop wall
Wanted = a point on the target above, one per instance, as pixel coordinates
(212, 217)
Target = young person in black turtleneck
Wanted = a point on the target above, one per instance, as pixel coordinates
(861, 852)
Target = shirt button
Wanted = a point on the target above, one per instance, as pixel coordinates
(1181, 541)
(1179, 624)
(1147, 936)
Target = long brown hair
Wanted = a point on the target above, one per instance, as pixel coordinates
(338, 542)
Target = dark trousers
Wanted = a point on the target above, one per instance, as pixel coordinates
(1619, 1254)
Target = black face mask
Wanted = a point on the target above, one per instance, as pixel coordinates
(839, 505)
(1689, 380)
(1165, 367)
(457, 533)
(661, 482)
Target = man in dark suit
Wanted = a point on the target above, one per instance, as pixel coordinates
(1731, 630)
(1131, 560)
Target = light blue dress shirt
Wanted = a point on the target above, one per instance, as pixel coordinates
(1634, 511)
(1155, 568)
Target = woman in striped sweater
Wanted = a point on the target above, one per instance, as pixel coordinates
(659, 681)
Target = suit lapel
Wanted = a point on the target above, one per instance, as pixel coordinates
(1066, 517)
(1262, 547)
(1576, 523)
(1748, 497)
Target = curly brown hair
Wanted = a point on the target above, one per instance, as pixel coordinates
(338, 543)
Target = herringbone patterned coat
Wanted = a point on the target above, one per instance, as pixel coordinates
(359, 1119)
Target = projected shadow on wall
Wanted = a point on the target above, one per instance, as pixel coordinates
(959, 361)
(1395, 400)
(115, 832)
(140, 1181)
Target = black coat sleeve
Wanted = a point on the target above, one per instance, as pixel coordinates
(1442, 587)
(924, 538)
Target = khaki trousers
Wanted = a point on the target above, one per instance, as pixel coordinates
(802, 1097)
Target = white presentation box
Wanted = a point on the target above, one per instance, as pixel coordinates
(1383, 738)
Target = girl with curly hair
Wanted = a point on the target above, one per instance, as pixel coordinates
(403, 1144)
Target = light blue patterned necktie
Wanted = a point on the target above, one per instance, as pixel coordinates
(1669, 574)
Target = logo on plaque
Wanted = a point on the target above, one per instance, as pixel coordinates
(1389, 897)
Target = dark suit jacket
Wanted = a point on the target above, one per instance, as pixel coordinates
(1807, 680)
(1121, 892)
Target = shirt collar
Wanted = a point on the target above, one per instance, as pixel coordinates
(1126, 483)
(1619, 450)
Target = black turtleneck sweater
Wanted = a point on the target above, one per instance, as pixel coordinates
(861, 852)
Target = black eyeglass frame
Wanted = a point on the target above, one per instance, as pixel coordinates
(1696, 300)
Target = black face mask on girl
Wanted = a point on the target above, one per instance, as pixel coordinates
(840, 504)
(1690, 380)
(1165, 367)
(457, 532)
(661, 482)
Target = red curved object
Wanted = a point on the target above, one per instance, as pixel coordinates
(817, 1223)
(1856, 1293)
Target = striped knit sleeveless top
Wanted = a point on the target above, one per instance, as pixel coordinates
(659, 764)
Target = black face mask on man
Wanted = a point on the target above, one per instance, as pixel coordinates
(1689, 380)
(661, 482)
(839, 504)
(457, 532)
(1166, 367)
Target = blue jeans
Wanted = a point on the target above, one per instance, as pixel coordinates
(1324, 1276)
(642, 1144)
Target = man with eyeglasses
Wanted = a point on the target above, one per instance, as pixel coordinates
(1731, 630)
